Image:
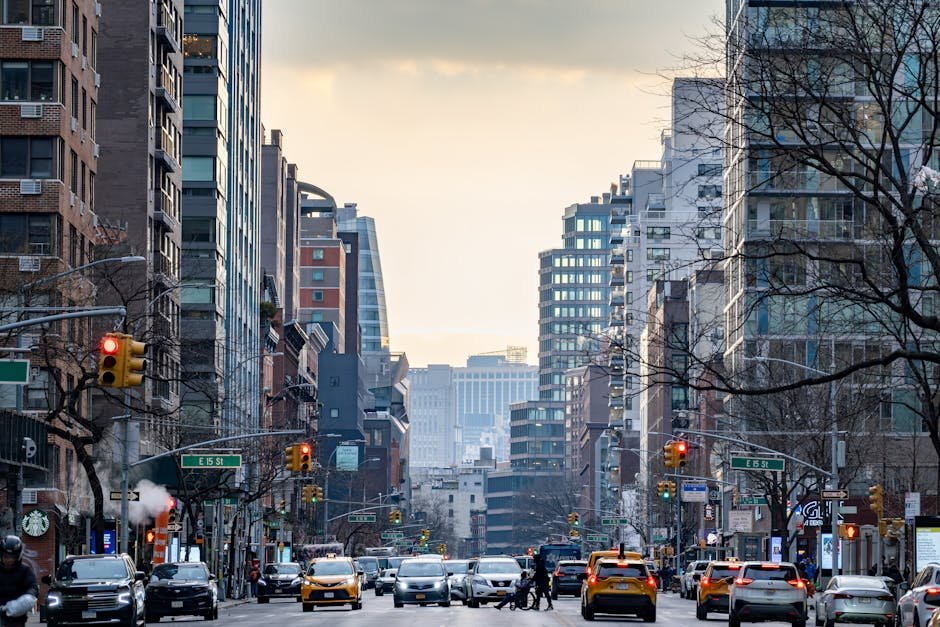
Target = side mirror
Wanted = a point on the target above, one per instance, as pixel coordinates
(46, 579)
(211, 577)
(140, 576)
(904, 586)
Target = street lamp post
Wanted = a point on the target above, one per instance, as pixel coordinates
(834, 444)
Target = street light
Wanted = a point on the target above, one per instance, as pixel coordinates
(834, 442)
(126, 259)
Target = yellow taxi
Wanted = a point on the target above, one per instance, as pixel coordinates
(619, 586)
(714, 587)
(331, 581)
(614, 553)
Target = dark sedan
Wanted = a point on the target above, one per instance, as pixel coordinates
(567, 577)
(279, 580)
(181, 589)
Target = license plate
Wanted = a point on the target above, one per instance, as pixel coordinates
(622, 586)
(419, 596)
(327, 595)
(176, 604)
(865, 600)
(500, 593)
(89, 615)
(769, 593)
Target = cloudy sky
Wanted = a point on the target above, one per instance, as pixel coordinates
(465, 127)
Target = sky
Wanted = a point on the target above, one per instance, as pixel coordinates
(465, 128)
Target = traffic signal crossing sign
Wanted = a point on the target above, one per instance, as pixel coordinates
(848, 531)
(120, 361)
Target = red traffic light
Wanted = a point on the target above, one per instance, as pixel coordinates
(305, 449)
(682, 447)
(110, 346)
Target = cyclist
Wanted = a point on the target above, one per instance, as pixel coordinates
(18, 589)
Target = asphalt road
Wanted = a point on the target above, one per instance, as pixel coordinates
(379, 611)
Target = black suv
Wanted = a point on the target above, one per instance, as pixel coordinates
(95, 589)
(281, 579)
(182, 589)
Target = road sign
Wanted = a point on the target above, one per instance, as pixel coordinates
(14, 371)
(174, 527)
(694, 492)
(210, 461)
(911, 506)
(361, 518)
(613, 522)
(393, 535)
(131, 496)
(596, 537)
(746, 500)
(834, 495)
(774, 464)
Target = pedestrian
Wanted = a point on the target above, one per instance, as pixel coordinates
(541, 583)
(811, 569)
(893, 572)
(18, 589)
(873, 570)
(666, 576)
(521, 589)
(254, 574)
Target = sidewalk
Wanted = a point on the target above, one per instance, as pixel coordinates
(34, 618)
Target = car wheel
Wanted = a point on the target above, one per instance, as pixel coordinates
(150, 618)
(444, 603)
(473, 603)
(733, 621)
(308, 607)
(587, 613)
(263, 600)
(357, 605)
(399, 604)
(701, 613)
(650, 616)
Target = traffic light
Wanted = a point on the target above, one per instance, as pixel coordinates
(574, 533)
(173, 515)
(134, 362)
(111, 361)
(671, 489)
(682, 449)
(318, 497)
(577, 520)
(308, 494)
(848, 531)
(442, 548)
(305, 457)
(425, 536)
(292, 458)
(876, 499)
(661, 490)
(282, 506)
(670, 455)
(150, 536)
(394, 517)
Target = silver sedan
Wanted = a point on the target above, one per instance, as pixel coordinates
(855, 599)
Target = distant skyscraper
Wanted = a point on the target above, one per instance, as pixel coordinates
(373, 317)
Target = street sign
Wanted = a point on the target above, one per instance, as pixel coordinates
(848, 509)
(746, 500)
(131, 496)
(361, 518)
(613, 522)
(14, 371)
(174, 527)
(694, 492)
(911, 506)
(596, 537)
(774, 464)
(393, 535)
(834, 495)
(204, 461)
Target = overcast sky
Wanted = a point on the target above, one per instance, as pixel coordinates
(465, 127)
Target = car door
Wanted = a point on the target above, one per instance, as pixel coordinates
(907, 601)
(822, 602)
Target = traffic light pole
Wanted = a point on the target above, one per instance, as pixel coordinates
(125, 419)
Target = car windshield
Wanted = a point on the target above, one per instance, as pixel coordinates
(457, 568)
(571, 569)
(701, 565)
(93, 569)
(420, 569)
(770, 573)
(178, 572)
(723, 572)
(323, 569)
(505, 567)
(390, 573)
(395, 562)
(282, 569)
(861, 582)
(369, 565)
(616, 570)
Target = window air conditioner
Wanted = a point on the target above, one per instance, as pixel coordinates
(30, 110)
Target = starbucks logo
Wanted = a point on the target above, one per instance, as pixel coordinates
(35, 523)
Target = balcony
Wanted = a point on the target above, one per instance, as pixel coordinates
(616, 255)
(166, 28)
(616, 297)
(618, 215)
(616, 275)
(615, 416)
(165, 211)
(789, 181)
(166, 90)
(166, 151)
(806, 229)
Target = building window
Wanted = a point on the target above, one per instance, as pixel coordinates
(318, 253)
(316, 316)
(709, 191)
(658, 232)
(318, 275)
(199, 107)
(708, 232)
(709, 169)
(450, 498)
(198, 168)
(34, 233)
(473, 497)
(657, 254)
(25, 80)
(75, 22)
(317, 295)
(26, 157)
(199, 230)
(334, 413)
(200, 47)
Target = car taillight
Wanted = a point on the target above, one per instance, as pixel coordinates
(705, 581)
(557, 572)
(932, 591)
(592, 580)
(796, 583)
(651, 582)
(743, 581)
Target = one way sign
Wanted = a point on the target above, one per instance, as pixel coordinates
(131, 496)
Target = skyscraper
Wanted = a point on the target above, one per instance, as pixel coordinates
(373, 317)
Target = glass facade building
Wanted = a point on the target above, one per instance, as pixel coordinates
(373, 316)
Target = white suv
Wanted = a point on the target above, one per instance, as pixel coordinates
(492, 579)
(690, 578)
(921, 598)
(767, 591)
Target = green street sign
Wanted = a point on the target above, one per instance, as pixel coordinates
(613, 522)
(596, 537)
(751, 499)
(773, 464)
(361, 518)
(393, 535)
(206, 462)
(14, 371)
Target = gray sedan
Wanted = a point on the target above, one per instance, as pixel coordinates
(855, 599)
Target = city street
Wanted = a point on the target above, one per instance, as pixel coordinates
(379, 611)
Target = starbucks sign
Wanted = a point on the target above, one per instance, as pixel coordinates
(35, 523)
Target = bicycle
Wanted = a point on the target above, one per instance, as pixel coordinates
(529, 601)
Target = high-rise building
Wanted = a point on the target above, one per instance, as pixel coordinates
(433, 417)
(221, 213)
(139, 118)
(373, 317)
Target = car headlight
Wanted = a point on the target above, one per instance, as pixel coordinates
(295, 581)
(53, 599)
(480, 580)
(402, 585)
(124, 598)
(437, 584)
(350, 580)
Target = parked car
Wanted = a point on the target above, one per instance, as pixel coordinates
(385, 582)
(457, 572)
(568, 577)
(690, 578)
(767, 591)
(492, 578)
(95, 588)
(422, 581)
(181, 589)
(280, 580)
(857, 599)
(919, 599)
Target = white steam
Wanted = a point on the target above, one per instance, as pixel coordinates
(153, 500)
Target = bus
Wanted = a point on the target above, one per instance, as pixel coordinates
(384, 553)
(554, 552)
